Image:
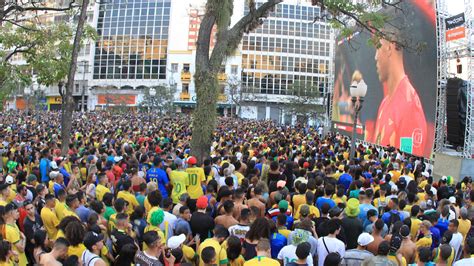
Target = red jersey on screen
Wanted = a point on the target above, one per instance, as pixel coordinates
(401, 115)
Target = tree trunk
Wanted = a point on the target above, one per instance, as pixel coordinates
(204, 118)
(68, 101)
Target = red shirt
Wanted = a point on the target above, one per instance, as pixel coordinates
(401, 115)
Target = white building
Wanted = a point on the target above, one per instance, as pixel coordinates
(143, 44)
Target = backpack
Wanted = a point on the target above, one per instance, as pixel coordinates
(394, 217)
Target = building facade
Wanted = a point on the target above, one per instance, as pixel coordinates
(143, 44)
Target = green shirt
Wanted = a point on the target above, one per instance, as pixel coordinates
(108, 212)
(140, 199)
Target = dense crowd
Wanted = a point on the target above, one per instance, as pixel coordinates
(128, 192)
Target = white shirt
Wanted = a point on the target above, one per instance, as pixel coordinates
(239, 230)
(288, 254)
(456, 242)
(464, 262)
(170, 220)
(333, 245)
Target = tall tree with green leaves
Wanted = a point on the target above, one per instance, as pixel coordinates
(219, 12)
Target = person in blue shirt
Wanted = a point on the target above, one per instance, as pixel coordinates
(63, 171)
(387, 217)
(44, 166)
(365, 198)
(159, 176)
(277, 240)
(345, 179)
(58, 182)
(328, 191)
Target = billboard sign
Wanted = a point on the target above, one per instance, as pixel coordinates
(455, 29)
(400, 105)
(455, 21)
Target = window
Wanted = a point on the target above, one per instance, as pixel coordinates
(186, 68)
(185, 88)
(174, 67)
(234, 69)
(76, 88)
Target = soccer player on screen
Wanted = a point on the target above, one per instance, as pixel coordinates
(400, 113)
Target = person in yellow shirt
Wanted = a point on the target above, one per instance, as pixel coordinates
(263, 257)
(127, 195)
(49, 217)
(102, 187)
(120, 206)
(13, 234)
(300, 198)
(220, 234)
(464, 223)
(4, 194)
(179, 180)
(72, 203)
(75, 233)
(313, 210)
(415, 222)
(60, 206)
(426, 240)
(196, 178)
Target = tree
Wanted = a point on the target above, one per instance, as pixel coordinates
(162, 100)
(218, 13)
(68, 101)
(305, 102)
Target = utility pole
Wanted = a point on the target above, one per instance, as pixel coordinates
(84, 83)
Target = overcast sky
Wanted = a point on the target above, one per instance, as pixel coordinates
(455, 6)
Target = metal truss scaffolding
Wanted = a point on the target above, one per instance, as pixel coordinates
(442, 75)
(468, 150)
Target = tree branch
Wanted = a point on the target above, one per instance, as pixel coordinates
(33, 7)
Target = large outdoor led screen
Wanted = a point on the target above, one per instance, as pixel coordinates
(400, 105)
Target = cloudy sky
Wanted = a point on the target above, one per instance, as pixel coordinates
(456, 6)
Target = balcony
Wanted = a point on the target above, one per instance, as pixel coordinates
(222, 76)
(184, 96)
(186, 75)
(222, 98)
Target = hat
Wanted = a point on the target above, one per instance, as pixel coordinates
(404, 230)
(304, 210)
(117, 159)
(365, 239)
(281, 183)
(192, 160)
(452, 199)
(299, 236)
(335, 211)
(202, 202)
(352, 209)
(283, 204)
(305, 165)
(395, 243)
(425, 174)
(444, 179)
(31, 178)
(178, 161)
(176, 241)
(4, 186)
(91, 239)
(303, 250)
(9, 179)
(53, 174)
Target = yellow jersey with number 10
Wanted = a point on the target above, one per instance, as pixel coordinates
(179, 180)
(195, 177)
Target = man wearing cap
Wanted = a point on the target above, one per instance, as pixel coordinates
(355, 257)
(201, 222)
(351, 224)
(94, 243)
(283, 207)
(13, 234)
(179, 180)
(196, 178)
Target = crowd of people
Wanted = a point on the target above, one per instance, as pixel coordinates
(129, 192)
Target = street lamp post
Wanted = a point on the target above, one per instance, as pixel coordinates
(358, 91)
(151, 101)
